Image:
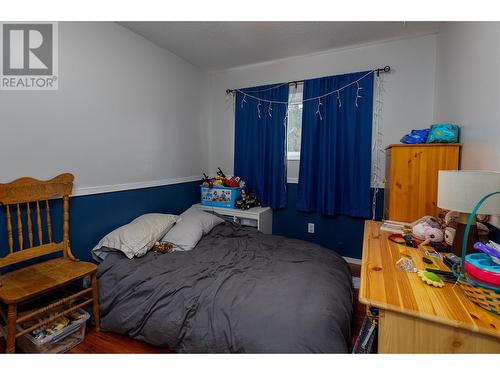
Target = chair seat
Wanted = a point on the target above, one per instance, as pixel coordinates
(28, 282)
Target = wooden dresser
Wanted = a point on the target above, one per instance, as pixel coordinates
(415, 317)
(412, 178)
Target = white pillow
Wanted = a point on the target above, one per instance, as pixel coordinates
(190, 227)
(138, 236)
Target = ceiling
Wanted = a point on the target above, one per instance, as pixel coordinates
(222, 45)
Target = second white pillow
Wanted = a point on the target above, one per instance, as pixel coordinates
(190, 227)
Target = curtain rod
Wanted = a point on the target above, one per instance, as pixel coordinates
(385, 69)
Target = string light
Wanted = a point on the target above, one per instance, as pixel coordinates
(269, 110)
(258, 108)
(318, 111)
(285, 121)
(356, 82)
(338, 99)
(243, 100)
(357, 93)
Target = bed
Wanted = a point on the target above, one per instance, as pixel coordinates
(237, 291)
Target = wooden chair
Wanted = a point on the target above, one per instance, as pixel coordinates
(27, 195)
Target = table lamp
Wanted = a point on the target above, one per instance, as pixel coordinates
(460, 191)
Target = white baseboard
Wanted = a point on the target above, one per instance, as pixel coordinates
(352, 260)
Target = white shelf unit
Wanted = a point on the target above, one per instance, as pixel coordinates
(258, 217)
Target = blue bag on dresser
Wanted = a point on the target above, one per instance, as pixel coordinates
(416, 136)
(443, 133)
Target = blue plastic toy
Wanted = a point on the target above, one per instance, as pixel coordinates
(416, 136)
(443, 133)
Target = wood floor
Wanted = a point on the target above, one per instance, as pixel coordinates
(111, 343)
(108, 343)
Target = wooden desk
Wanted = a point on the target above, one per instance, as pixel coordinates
(415, 317)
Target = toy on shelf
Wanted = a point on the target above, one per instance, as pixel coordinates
(207, 182)
(247, 200)
(416, 136)
(226, 191)
(222, 180)
(443, 133)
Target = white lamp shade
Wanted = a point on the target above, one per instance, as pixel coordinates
(461, 190)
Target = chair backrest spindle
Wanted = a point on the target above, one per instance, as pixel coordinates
(10, 237)
(39, 224)
(49, 220)
(19, 227)
(30, 224)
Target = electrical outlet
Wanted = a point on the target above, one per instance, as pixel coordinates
(310, 227)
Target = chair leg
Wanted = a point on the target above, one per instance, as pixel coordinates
(95, 305)
(11, 329)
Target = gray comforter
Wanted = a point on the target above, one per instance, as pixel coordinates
(237, 291)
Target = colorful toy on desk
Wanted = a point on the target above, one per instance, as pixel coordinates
(432, 264)
(482, 267)
(450, 222)
(451, 260)
(431, 278)
(489, 249)
(449, 235)
(428, 230)
(405, 264)
(400, 239)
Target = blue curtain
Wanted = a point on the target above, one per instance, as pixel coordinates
(259, 149)
(335, 155)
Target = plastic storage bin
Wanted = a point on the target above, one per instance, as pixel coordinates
(219, 196)
(61, 342)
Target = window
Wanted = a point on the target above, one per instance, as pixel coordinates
(294, 125)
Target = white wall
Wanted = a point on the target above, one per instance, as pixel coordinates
(126, 112)
(468, 89)
(408, 97)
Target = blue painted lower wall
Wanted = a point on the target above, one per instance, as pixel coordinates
(343, 234)
(93, 216)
